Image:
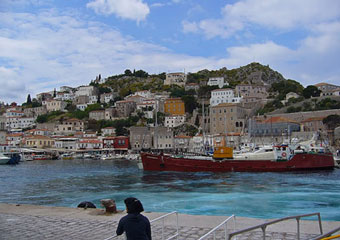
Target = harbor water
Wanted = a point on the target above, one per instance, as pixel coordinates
(258, 195)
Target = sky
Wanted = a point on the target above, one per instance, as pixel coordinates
(46, 44)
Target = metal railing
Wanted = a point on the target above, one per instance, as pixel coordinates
(327, 236)
(213, 231)
(264, 225)
(157, 219)
(162, 218)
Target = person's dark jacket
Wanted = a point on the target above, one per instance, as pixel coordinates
(136, 226)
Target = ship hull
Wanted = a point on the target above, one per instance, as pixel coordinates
(299, 162)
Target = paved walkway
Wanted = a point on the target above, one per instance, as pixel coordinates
(29, 222)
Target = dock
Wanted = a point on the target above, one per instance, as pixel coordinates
(32, 222)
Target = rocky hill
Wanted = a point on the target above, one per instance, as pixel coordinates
(254, 73)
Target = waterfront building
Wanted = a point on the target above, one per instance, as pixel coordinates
(178, 78)
(174, 106)
(174, 121)
(273, 126)
(121, 144)
(225, 95)
(313, 124)
(67, 143)
(216, 81)
(39, 142)
(14, 139)
(163, 138)
(140, 138)
(89, 144)
(227, 118)
(108, 142)
(182, 143)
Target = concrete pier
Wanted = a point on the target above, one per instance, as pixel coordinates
(31, 222)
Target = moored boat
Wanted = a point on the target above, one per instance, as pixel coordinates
(283, 158)
(4, 159)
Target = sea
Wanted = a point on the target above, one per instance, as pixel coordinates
(258, 195)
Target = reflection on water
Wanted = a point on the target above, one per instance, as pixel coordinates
(262, 195)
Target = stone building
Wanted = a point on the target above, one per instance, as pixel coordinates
(140, 138)
(226, 118)
(178, 78)
(125, 108)
(97, 115)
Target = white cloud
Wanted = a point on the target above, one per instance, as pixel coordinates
(264, 53)
(127, 9)
(40, 52)
(190, 27)
(274, 14)
(45, 51)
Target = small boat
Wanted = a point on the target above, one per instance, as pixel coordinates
(282, 158)
(41, 157)
(108, 157)
(66, 156)
(4, 159)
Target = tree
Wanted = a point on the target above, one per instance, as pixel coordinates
(42, 118)
(332, 121)
(311, 91)
(190, 103)
(29, 101)
(128, 72)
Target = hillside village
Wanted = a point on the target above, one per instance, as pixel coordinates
(173, 111)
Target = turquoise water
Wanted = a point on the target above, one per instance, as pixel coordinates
(260, 195)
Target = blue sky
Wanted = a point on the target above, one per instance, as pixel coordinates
(45, 44)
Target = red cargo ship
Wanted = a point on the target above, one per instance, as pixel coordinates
(284, 159)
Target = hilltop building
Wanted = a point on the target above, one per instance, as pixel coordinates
(178, 78)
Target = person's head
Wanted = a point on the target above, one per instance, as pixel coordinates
(133, 205)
